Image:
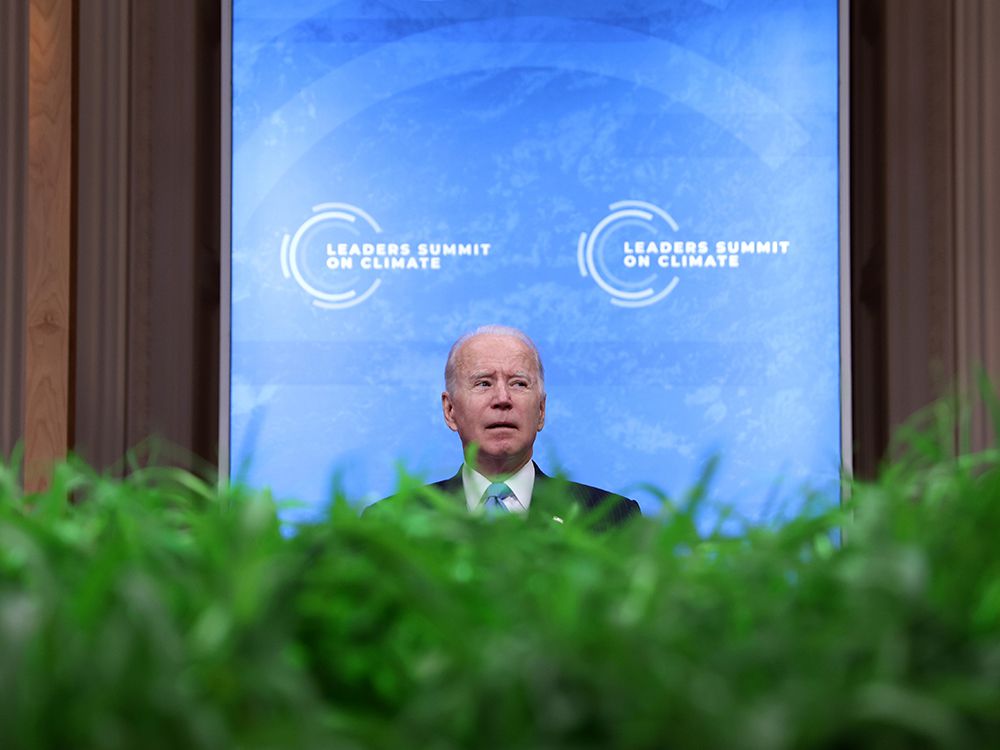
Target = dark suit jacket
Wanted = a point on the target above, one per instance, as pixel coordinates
(546, 497)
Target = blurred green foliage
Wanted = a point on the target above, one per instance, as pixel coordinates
(161, 611)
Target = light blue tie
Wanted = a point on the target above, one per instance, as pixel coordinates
(494, 497)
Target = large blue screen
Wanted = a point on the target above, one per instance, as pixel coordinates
(648, 189)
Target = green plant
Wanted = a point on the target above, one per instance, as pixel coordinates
(163, 611)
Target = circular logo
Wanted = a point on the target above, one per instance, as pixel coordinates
(307, 255)
(629, 220)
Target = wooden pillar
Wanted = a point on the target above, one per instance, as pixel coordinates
(111, 236)
(926, 234)
(977, 193)
(919, 205)
(48, 244)
(13, 145)
(146, 246)
(868, 305)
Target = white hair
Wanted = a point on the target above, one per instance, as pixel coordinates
(451, 366)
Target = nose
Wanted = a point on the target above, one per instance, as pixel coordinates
(501, 397)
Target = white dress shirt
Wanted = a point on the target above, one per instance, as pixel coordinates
(521, 484)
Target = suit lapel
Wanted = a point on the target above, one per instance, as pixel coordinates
(540, 499)
(453, 487)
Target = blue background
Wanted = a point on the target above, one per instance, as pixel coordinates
(518, 124)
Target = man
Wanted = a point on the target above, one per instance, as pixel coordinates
(494, 399)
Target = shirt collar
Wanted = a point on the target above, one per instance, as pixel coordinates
(521, 484)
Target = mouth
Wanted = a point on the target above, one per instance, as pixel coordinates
(501, 426)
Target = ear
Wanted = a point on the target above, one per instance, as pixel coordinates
(541, 413)
(448, 407)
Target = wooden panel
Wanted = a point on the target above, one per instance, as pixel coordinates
(977, 229)
(918, 187)
(968, 193)
(991, 193)
(146, 334)
(868, 315)
(142, 28)
(183, 286)
(13, 143)
(48, 241)
(104, 200)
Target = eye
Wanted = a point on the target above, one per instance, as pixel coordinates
(519, 384)
(481, 384)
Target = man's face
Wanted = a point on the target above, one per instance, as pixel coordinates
(497, 403)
